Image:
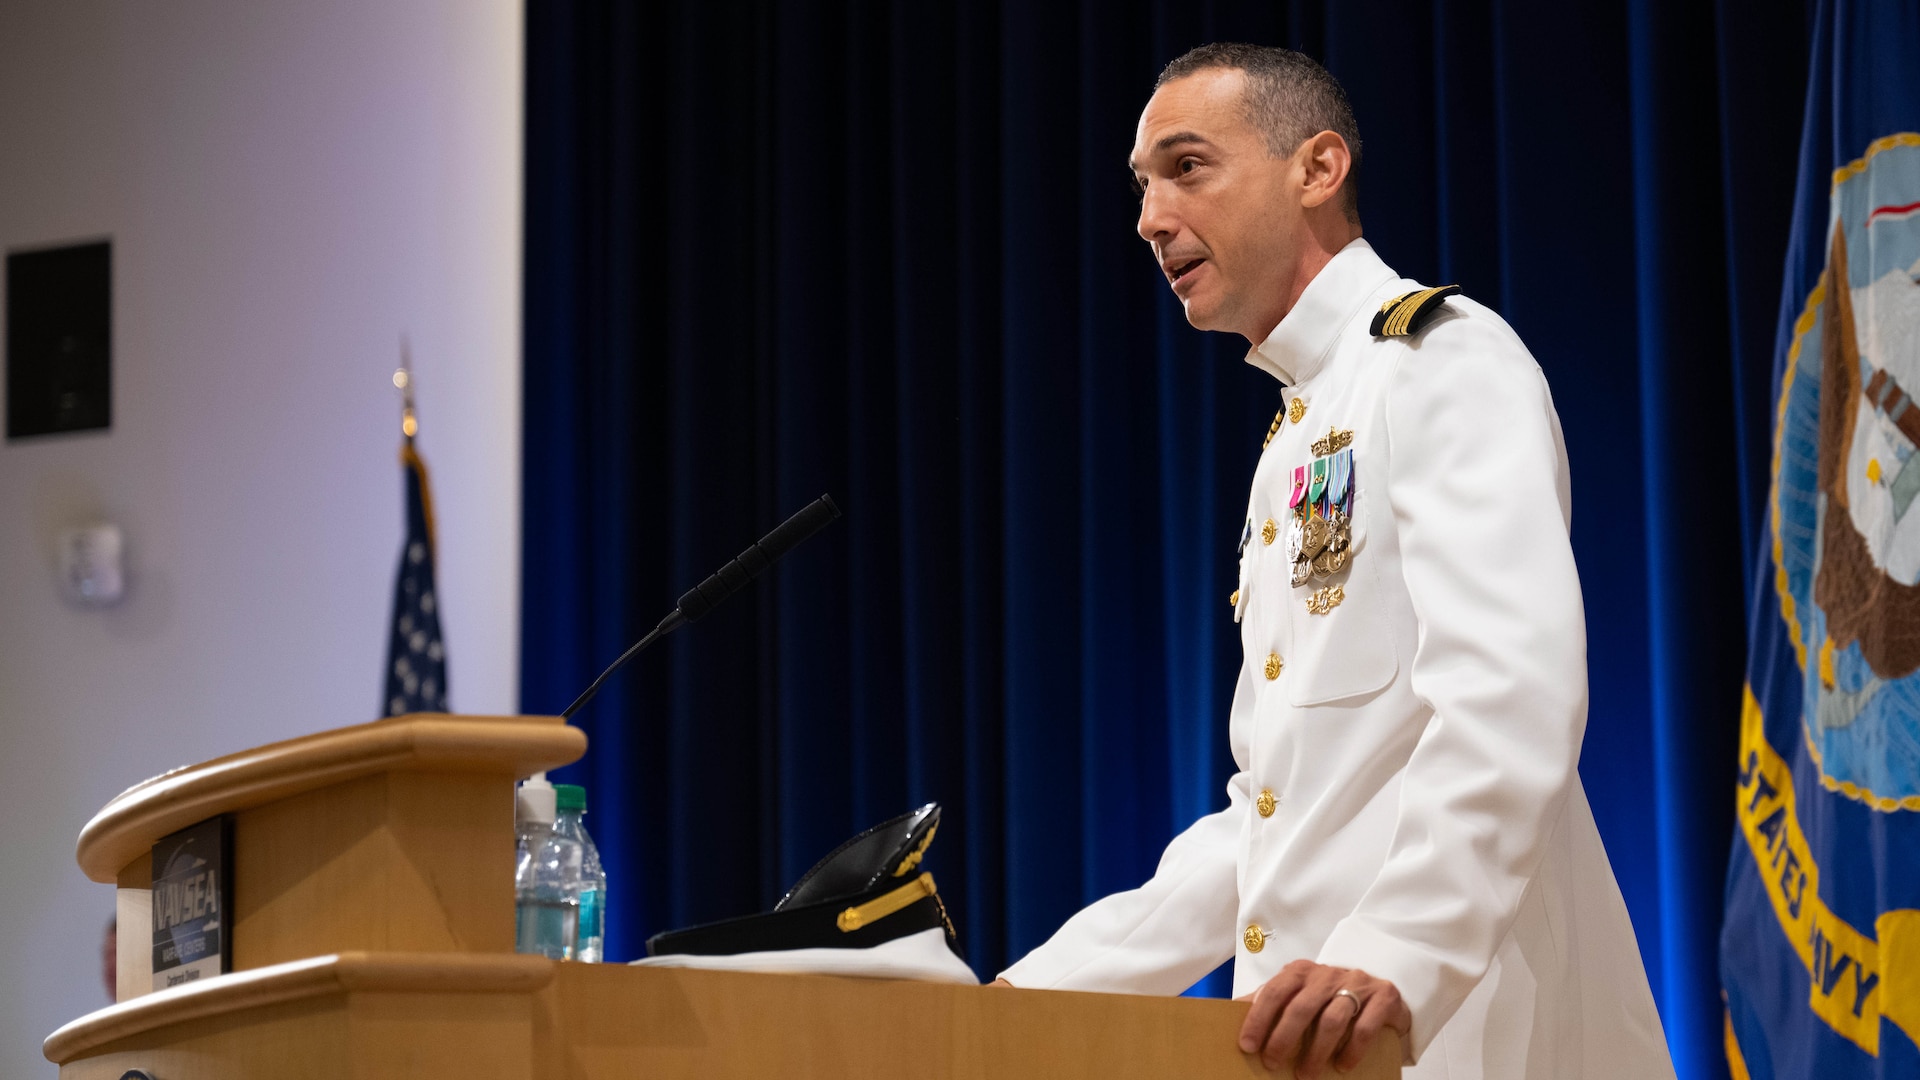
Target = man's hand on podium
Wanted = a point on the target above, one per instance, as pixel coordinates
(1320, 1014)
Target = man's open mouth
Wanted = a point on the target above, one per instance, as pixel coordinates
(1186, 268)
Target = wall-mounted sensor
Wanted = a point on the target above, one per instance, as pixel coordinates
(91, 567)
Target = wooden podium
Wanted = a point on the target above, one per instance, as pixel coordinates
(372, 923)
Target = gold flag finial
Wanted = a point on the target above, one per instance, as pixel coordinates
(403, 381)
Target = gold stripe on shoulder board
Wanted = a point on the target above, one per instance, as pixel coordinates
(1404, 314)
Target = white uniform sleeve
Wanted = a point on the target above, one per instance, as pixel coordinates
(1162, 937)
(1478, 486)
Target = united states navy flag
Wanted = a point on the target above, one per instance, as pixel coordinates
(1820, 953)
(416, 657)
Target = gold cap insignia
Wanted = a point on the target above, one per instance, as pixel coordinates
(913, 858)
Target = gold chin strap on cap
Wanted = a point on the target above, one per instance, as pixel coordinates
(882, 906)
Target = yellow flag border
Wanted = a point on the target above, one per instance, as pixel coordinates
(1854, 979)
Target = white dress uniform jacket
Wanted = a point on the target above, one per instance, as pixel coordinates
(1406, 801)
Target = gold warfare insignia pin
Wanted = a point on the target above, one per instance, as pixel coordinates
(1325, 600)
(1337, 439)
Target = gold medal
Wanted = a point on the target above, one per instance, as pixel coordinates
(1315, 535)
(1323, 563)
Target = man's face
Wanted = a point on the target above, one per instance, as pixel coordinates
(1215, 204)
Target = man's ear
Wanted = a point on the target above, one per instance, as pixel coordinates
(1325, 163)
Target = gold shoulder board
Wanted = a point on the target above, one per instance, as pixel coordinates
(1404, 315)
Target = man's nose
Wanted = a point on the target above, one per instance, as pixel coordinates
(1156, 217)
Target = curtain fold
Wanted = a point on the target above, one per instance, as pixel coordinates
(886, 250)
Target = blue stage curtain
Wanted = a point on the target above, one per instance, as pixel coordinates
(886, 251)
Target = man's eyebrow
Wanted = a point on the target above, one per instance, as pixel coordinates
(1178, 138)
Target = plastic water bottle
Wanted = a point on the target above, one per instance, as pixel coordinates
(590, 940)
(546, 876)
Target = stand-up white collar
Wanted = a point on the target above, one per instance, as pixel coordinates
(1298, 347)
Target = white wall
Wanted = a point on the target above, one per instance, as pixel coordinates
(289, 185)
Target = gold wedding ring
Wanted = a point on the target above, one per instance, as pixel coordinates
(1353, 997)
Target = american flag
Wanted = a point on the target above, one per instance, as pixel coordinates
(416, 657)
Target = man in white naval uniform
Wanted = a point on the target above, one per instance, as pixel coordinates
(1406, 844)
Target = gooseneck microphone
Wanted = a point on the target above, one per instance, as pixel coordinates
(724, 582)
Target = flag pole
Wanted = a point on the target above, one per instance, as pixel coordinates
(410, 427)
(416, 655)
(403, 381)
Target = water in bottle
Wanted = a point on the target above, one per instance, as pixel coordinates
(546, 878)
(590, 936)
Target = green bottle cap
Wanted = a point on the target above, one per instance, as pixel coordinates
(570, 797)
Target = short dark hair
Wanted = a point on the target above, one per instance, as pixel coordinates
(1289, 97)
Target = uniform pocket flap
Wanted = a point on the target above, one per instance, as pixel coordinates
(1342, 643)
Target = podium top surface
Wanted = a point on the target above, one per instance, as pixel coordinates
(127, 827)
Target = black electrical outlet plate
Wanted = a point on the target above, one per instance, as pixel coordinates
(59, 339)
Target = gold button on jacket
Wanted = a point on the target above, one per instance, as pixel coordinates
(1273, 666)
(1254, 939)
(1266, 802)
(1268, 530)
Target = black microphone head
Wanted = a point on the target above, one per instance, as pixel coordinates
(723, 583)
(810, 519)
